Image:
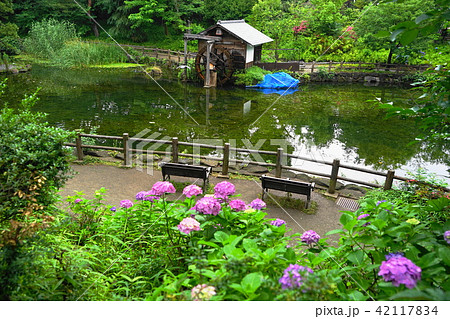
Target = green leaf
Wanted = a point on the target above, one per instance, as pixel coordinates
(408, 36)
(444, 254)
(356, 257)
(238, 288)
(208, 243)
(345, 218)
(422, 17)
(394, 34)
(251, 282)
(335, 231)
(221, 236)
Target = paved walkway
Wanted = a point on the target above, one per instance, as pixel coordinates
(123, 183)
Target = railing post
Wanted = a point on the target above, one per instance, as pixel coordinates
(79, 148)
(312, 68)
(126, 151)
(174, 149)
(389, 179)
(334, 175)
(226, 160)
(278, 163)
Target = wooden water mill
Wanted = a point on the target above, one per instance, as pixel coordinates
(224, 48)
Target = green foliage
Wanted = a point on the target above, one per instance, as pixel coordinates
(33, 161)
(48, 37)
(9, 42)
(97, 252)
(79, 54)
(250, 76)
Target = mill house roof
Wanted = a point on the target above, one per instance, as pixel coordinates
(241, 30)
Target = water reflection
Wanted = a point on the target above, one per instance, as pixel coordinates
(318, 121)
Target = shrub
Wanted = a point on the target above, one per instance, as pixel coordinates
(250, 76)
(47, 37)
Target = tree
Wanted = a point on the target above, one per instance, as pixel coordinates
(174, 13)
(9, 40)
(214, 10)
(383, 17)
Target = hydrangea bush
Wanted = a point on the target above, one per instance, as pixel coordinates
(221, 248)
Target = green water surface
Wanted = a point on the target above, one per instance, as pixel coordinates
(321, 121)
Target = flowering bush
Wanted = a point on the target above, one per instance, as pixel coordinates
(237, 205)
(160, 188)
(144, 253)
(192, 190)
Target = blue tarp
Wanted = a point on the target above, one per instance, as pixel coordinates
(279, 80)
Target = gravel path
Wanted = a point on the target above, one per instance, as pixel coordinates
(123, 183)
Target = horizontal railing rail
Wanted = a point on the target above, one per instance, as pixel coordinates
(225, 158)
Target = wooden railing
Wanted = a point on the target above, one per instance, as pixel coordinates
(175, 56)
(312, 67)
(126, 142)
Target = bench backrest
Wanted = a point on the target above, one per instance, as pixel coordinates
(286, 185)
(185, 170)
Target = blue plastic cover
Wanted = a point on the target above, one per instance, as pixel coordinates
(279, 80)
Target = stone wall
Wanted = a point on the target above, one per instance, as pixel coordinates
(363, 77)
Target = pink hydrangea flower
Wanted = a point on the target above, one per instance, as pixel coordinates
(202, 292)
(258, 204)
(192, 190)
(400, 270)
(237, 205)
(224, 189)
(126, 203)
(160, 188)
(78, 200)
(208, 206)
(277, 222)
(188, 224)
(363, 216)
(310, 237)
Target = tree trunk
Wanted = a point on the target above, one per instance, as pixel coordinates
(94, 25)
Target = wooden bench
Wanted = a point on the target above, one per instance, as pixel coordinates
(287, 185)
(186, 170)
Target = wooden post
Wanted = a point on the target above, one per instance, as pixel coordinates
(79, 148)
(389, 179)
(329, 66)
(334, 175)
(209, 45)
(126, 151)
(185, 59)
(226, 160)
(174, 149)
(312, 67)
(278, 163)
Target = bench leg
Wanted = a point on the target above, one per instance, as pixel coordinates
(263, 193)
(308, 198)
(205, 183)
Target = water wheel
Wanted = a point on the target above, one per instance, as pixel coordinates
(221, 59)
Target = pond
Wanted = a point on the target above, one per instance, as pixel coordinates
(319, 121)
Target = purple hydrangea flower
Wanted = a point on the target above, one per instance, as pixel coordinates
(447, 236)
(363, 216)
(258, 204)
(126, 203)
(238, 205)
(277, 222)
(113, 209)
(392, 255)
(78, 200)
(400, 270)
(224, 189)
(292, 276)
(192, 190)
(207, 205)
(160, 188)
(188, 224)
(310, 237)
(151, 196)
(141, 195)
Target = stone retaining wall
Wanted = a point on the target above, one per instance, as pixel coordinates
(363, 77)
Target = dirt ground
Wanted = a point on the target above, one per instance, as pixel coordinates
(124, 183)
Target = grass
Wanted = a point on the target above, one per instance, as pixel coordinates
(116, 65)
(289, 202)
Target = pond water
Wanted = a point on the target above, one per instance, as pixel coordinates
(320, 121)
